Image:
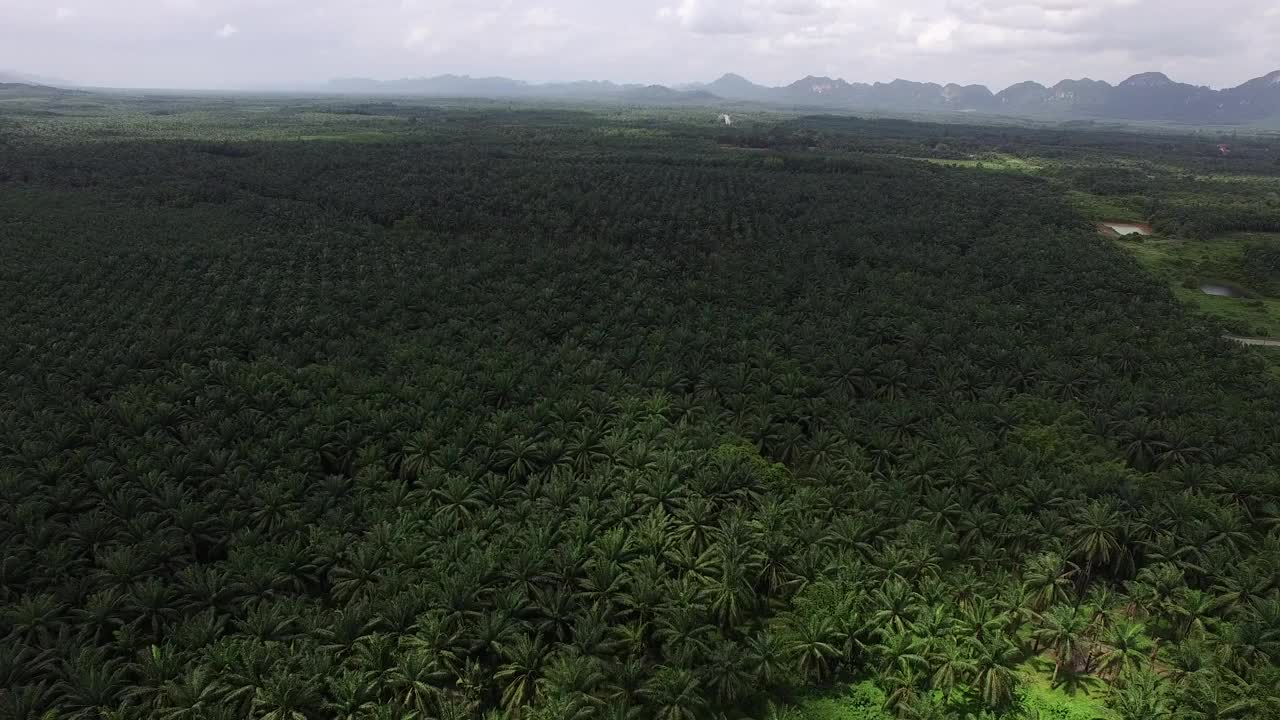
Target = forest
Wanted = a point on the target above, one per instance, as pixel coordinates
(314, 409)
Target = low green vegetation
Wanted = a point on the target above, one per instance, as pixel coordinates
(1036, 699)
(996, 162)
(1239, 262)
(1101, 208)
(321, 409)
(1080, 697)
(863, 701)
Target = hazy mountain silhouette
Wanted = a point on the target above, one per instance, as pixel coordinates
(1146, 96)
(14, 77)
(499, 87)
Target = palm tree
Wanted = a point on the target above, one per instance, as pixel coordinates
(1103, 602)
(895, 605)
(1095, 538)
(953, 663)
(1266, 613)
(995, 675)
(490, 629)
(814, 642)
(727, 673)
(572, 676)
(1063, 628)
(375, 655)
(901, 651)
(1142, 695)
(1195, 608)
(154, 599)
(729, 589)
(684, 632)
(1126, 647)
(981, 619)
(519, 674)
(1154, 593)
(191, 697)
(673, 694)
(1143, 443)
(1047, 581)
(1218, 695)
(158, 667)
(90, 681)
(765, 653)
(207, 587)
(349, 696)
(34, 617)
(903, 684)
(285, 696)
(344, 629)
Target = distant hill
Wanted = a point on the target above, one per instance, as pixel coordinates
(1148, 96)
(13, 77)
(10, 89)
(499, 87)
(738, 87)
(663, 94)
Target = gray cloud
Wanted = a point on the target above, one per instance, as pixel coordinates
(238, 43)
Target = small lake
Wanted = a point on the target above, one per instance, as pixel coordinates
(1221, 291)
(1128, 228)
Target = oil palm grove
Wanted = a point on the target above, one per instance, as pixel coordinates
(534, 414)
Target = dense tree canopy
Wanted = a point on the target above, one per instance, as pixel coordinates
(547, 414)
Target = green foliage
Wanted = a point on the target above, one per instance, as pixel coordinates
(1042, 703)
(545, 412)
(862, 701)
(1241, 261)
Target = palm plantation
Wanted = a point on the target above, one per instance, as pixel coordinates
(545, 412)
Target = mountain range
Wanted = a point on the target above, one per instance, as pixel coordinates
(500, 87)
(1148, 96)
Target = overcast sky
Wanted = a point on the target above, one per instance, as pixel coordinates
(245, 43)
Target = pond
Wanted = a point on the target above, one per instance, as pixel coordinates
(1221, 290)
(1128, 228)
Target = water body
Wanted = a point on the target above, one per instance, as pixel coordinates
(1221, 291)
(1128, 228)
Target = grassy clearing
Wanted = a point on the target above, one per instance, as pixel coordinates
(996, 162)
(354, 137)
(863, 701)
(1187, 264)
(1079, 698)
(1083, 698)
(1268, 179)
(1096, 207)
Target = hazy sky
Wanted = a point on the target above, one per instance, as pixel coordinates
(243, 43)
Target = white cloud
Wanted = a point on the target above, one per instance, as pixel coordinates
(937, 35)
(995, 42)
(417, 37)
(797, 8)
(709, 17)
(543, 18)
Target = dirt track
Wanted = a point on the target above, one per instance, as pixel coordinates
(1263, 342)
